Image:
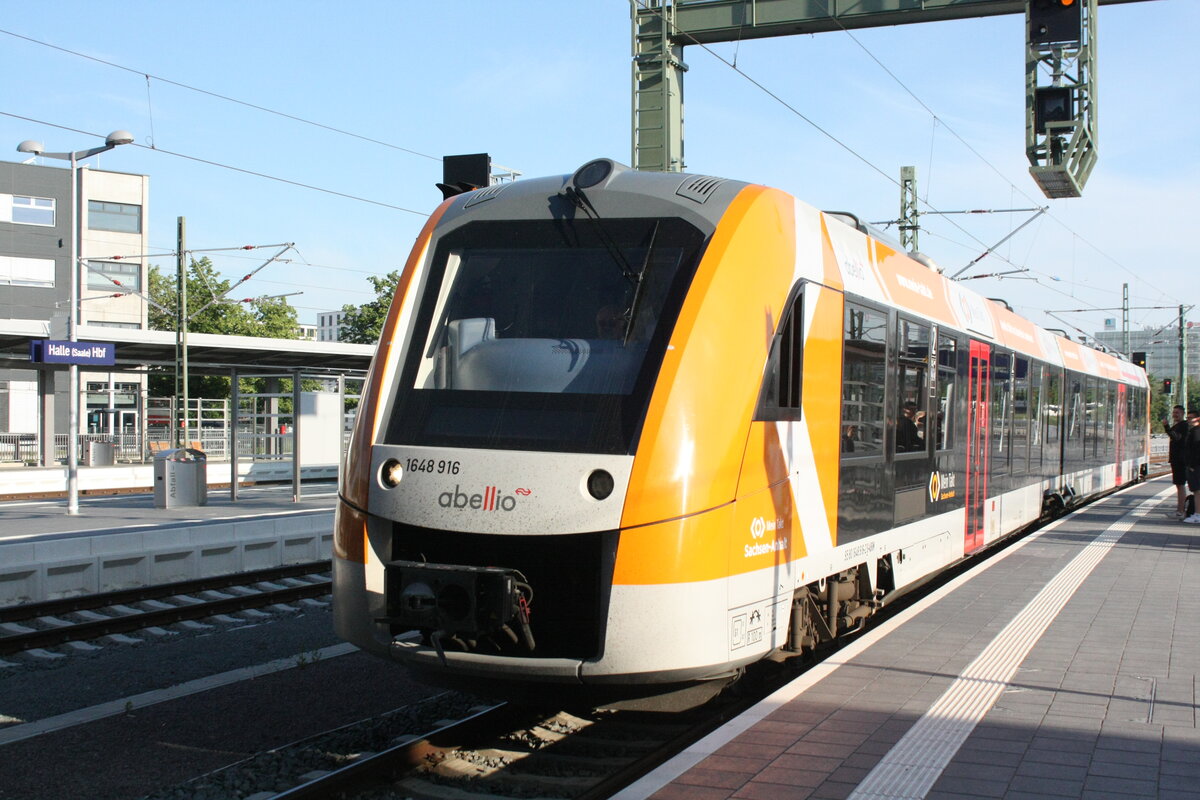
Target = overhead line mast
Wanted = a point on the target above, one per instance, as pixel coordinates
(1060, 116)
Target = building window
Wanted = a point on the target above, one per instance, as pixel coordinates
(96, 323)
(120, 217)
(33, 210)
(102, 274)
(16, 271)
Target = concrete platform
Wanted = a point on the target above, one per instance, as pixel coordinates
(1064, 667)
(123, 541)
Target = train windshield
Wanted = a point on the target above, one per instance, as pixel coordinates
(543, 335)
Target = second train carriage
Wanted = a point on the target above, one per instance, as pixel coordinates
(642, 428)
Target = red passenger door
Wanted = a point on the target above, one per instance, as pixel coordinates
(978, 442)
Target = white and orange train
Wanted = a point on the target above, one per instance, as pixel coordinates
(643, 428)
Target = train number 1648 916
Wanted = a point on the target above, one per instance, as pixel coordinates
(432, 465)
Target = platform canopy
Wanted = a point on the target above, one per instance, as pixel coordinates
(208, 353)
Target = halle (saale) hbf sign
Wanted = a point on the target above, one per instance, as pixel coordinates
(50, 351)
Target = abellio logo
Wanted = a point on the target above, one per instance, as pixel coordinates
(491, 499)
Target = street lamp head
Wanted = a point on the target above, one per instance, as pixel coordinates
(31, 146)
(118, 137)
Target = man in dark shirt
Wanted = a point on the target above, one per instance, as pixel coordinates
(1177, 430)
(908, 438)
(1191, 458)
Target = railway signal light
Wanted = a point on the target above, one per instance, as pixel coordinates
(1139, 358)
(1055, 21)
(1053, 104)
(1167, 385)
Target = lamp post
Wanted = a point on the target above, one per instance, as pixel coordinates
(38, 149)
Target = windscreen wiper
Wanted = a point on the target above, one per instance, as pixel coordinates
(641, 278)
(580, 201)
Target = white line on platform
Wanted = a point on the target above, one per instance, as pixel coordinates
(913, 765)
(710, 744)
(126, 704)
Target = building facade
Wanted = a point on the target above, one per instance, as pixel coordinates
(1161, 346)
(329, 326)
(35, 284)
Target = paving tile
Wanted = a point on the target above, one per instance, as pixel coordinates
(759, 790)
(841, 738)
(769, 725)
(1068, 744)
(766, 737)
(1178, 783)
(1121, 786)
(832, 791)
(676, 791)
(1058, 787)
(996, 745)
(808, 778)
(742, 749)
(1181, 769)
(727, 764)
(1109, 756)
(807, 761)
(712, 778)
(994, 758)
(1057, 771)
(1137, 772)
(986, 772)
(1064, 758)
(1127, 743)
(970, 786)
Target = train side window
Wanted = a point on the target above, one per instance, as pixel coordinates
(1020, 418)
(947, 388)
(864, 375)
(1110, 419)
(1054, 409)
(912, 340)
(1001, 411)
(1036, 371)
(1073, 424)
(1091, 445)
(782, 380)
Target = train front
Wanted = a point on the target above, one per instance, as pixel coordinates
(493, 461)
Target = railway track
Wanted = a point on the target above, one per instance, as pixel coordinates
(55, 622)
(509, 750)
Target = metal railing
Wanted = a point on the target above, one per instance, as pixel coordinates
(18, 448)
(25, 448)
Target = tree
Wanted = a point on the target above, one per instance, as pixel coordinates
(363, 324)
(269, 317)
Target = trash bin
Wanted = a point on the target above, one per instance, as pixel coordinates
(180, 478)
(100, 454)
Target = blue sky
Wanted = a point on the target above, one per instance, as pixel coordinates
(544, 87)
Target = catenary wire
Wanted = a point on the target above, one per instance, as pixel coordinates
(211, 163)
(938, 120)
(220, 96)
(867, 162)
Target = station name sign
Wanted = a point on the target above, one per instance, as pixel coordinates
(50, 351)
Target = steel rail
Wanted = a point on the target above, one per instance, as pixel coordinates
(88, 602)
(403, 758)
(27, 640)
